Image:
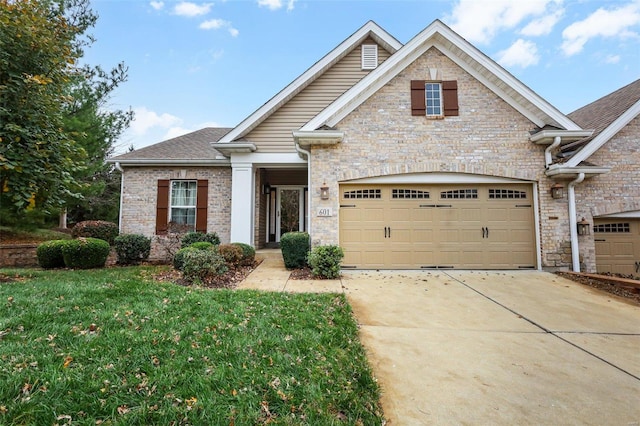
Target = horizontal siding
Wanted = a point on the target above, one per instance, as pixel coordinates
(274, 134)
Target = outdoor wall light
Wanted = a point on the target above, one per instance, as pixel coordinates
(584, 227)
(266, 189)
(324, 191)
(557, 191)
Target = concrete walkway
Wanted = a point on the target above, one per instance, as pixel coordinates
(500, 348)
(271, 275)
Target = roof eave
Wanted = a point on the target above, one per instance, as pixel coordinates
(546, 137)
(146, 162)
(317, 137)
(605, 135)
(233, 147)
(562, 171)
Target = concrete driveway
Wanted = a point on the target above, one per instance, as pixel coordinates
(523, 347)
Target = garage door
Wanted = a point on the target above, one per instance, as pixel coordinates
(437, 226)
(617, 245)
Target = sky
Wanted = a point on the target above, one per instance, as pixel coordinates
(211, 64)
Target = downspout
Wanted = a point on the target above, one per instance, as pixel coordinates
(308, 154)
(547, 152)
(121, 170)
(573, 223)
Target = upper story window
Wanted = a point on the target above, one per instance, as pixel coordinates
(183, 202)
(369, 58)
(434, 98)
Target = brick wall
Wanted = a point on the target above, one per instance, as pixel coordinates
(488, 138)
(18, 255)
(614, 192)
(140, 199)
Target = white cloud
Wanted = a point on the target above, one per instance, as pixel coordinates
(601, 23)
(276, 4)
(479, 21)
(157, 5)
(216, 24)
(145, 120)
(543, 25)
(189, 9)
(213, 24)
(612, 59)
(522, 53)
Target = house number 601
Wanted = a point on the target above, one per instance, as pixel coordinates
(324, 211)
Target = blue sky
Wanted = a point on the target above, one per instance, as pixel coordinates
(198, 64)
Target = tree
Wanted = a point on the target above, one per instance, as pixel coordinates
(48, 103)
(96, 128)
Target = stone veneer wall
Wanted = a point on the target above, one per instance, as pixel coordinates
(139, 201)
(614, 192)
(488, 137)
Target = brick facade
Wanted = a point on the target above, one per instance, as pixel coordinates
(488, 138)
(614, 192)
(138, 210)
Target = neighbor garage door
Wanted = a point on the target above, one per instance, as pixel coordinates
(617, 245)
(437, 226)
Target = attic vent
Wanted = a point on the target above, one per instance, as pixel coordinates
(369, 56)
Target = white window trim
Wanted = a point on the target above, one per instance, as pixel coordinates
(369, 56)
(426, 100)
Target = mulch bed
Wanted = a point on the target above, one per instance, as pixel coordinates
(609, 286)
(229, 279)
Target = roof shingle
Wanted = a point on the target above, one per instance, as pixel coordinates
(192, 146)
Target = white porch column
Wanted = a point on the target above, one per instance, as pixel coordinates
(242, 202)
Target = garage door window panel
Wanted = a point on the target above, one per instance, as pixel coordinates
(506, 194)
(409, 194)
(361, 194)
(459, 194)
(613, 228)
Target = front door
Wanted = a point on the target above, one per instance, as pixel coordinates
(290, 210)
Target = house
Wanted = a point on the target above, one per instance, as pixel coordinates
(415, 156)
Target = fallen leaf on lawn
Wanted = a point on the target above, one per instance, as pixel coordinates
(234, 392)
(67, 361)
(123, 409)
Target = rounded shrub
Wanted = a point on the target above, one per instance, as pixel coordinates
(248, 254)
(200, 266)
(178, 258)
(202, 245)
(231, 254)
(107, 231)
(325, 261)
(132, 249)
(194, 237)
(49, 254)
(295, 247)
(85, 253)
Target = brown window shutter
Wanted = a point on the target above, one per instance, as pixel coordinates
(418, 101)
(450, 97)
(202, 203)
(162, 209)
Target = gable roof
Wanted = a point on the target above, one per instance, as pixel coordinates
(190, 149)
(370, 29)
(607, 116)
(480, 66)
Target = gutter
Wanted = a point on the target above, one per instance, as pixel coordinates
(573, 223)
(548, 159)
(121, 170)
(171, 162)
(308, 154)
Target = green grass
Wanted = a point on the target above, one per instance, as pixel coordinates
(112, 346)
(30, 236)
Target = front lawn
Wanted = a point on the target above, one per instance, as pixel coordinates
(113, 346)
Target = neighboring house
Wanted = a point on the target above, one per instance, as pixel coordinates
(423, 155)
